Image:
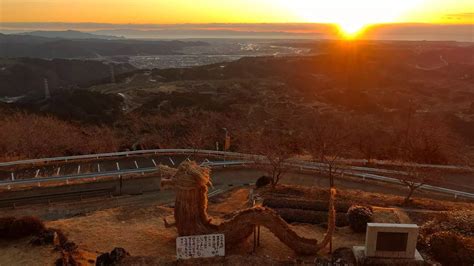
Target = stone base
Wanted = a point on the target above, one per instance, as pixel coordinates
(359, 253)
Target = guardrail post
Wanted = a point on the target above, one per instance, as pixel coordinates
(98, 167)
(13, 176)
(79, 169)
(118, 166)
(37, 173)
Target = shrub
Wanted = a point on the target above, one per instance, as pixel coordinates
(263, 181)
(310, 217)
(12, 228)
(112, 258)
(50, 237)
(5, 226)
(457, 221)
(302, 204)
(451, 248)
(358, 217)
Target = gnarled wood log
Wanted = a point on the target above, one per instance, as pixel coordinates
(191, 183)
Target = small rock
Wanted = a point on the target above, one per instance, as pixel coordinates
(47, 237)
(112, 258)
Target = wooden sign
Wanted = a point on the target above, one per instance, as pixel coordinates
(200, 246)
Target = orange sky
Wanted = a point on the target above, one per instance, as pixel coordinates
(350, 15)
(232, 11)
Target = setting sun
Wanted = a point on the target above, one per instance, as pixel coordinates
(350, 29)
(351, 17)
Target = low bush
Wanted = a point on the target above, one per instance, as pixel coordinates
(112, 258)
(358, 217)
(314, 205)
(13, 228)
(263, 181)
(458, 221)
(310, 217)
(451, 248)
(50, 237)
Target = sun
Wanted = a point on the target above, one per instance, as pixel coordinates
(350, 30)
(350, 16)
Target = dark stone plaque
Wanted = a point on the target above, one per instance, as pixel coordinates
(389, 241)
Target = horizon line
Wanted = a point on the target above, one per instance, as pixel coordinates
(227, 23)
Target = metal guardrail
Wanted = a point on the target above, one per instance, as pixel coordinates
(248, 159)
(107, 174)
(126, 154)
(191, 151)
(455, 193)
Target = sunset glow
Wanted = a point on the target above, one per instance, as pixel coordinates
(351, 17)
(349, 14)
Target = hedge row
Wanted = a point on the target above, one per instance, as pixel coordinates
(313, 205)
(15, 228)
(309, 216)
(452, 248)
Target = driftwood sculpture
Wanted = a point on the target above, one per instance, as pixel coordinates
(191, 183)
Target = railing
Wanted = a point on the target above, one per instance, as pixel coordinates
(245, 159)
(126, 154)
(191, 151)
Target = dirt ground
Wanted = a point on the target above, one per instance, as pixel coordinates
(22, 253)
(141, 231)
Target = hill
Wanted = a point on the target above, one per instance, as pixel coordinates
(376, 88)
(26, 75)
(41, 47)
(69, 34)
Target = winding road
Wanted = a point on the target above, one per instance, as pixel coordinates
(36, 171)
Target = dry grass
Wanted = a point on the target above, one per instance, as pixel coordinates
(20, 252)
(141, 231)
(362, 197)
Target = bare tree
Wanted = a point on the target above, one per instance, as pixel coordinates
(425, 139)
(25, 135)
(414, 178)
(274, 147)
(202, 130)
(327, 139)
(368, 137)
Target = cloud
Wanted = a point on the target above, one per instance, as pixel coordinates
(467, 16)
(407, 31)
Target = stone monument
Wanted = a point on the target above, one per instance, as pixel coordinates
(391, 244)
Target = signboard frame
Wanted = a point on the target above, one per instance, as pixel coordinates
(200, 246)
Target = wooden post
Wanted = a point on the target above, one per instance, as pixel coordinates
(258, 236)
(330, 246)
(254, 240)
